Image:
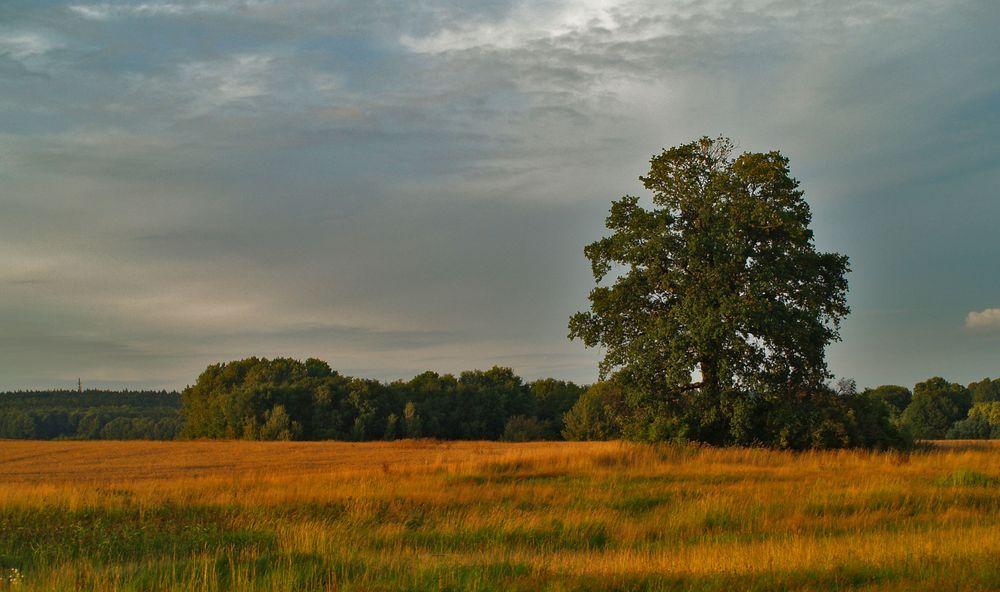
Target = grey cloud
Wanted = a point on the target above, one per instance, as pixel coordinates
(398, 187)
(113, 10)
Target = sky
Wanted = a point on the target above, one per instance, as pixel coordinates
(402, 186)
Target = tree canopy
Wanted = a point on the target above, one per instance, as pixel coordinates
(895, 397)
(286, 399)
(717, 293)
(936, 405)
(91, 414)
(985, 390)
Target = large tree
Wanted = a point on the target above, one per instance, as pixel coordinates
(717, 292)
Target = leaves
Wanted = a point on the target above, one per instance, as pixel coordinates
(720, 278)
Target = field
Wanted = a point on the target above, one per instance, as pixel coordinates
(489, 516)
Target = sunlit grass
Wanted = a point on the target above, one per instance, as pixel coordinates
(488, 516)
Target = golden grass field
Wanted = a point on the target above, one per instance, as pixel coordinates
(420, 515)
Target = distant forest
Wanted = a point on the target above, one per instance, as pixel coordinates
(90, 415)
(285, 399)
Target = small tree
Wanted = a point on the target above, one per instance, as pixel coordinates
(411, 421)
(278, 425)
(390, 427)
(597, 415)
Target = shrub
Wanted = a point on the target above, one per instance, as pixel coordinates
(520, 428)
(972, 428)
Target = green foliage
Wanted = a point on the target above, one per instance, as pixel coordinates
(971, 428)
(720, 279)
(411, 421)
(92, 414)
(830, 418)
(985, 390)
(988, 412)
(391, 424)
(896, 398)
(552, 399)
(286, 399)
(241, 399)
(826, 418)
(597, 415)
(278, 425)
(936, 405)
(982, 422)
(967, 478)
(17, 425)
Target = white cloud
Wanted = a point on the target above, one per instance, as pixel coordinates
(248, 81)
(525, 24)
(632, 21)
(986, 319)
(106, 11)
(239, 78)
(23, 45)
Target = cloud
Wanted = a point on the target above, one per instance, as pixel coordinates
(985, 319)
(245, 82)
(525, 24)
(409, 186)
(106, 11)
(589, 23)
(21, 45)
(26, 52)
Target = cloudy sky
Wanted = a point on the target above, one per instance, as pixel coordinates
(396, 187)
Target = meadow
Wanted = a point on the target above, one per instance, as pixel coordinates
(425, 515)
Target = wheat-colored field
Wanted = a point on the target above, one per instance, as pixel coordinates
(490, 516)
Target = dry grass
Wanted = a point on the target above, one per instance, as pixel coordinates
(489, 516)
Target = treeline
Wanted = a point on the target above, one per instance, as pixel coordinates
(937, 408)
(286, 399)
(90, 415)
(934, 409)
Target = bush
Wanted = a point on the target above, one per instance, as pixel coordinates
(972, 428)
(520, 428)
